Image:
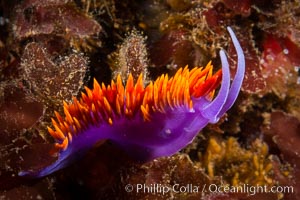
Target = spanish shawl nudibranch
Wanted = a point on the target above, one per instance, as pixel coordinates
(148, 122)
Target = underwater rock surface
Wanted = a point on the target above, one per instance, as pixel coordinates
(45, 60)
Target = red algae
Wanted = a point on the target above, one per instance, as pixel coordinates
(55, 18)
(254, 81)
(279, 62)
(171, 50)
(17, 112)
(242, 7)
(284, 130)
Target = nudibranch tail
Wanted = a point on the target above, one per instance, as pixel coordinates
(147, 122)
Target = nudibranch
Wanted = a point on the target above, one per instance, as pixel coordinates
(147, 122)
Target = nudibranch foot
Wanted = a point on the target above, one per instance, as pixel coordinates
(147, 122)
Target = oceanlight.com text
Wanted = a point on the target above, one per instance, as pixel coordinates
(206, 188)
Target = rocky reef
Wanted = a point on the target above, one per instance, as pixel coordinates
(51, 49)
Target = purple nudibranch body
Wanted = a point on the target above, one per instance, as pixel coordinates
(148, 122)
